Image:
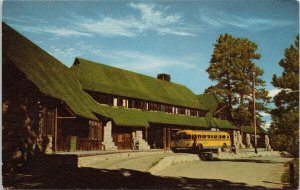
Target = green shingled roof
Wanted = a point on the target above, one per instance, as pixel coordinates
(136, 117)
(210, 101)
(250, 130)
(106, 79)
(222, 124)
(50, 76)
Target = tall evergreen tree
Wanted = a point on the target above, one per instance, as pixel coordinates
(285, 127)
(232, 67)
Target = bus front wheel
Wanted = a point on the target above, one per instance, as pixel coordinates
(224, 147)
(200, 147)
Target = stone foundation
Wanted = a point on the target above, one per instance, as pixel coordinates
(138, 136)
(48, 146)
(240, 140)
(267, 143)
(248, 141)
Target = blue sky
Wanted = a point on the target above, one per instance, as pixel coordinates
(151, 37)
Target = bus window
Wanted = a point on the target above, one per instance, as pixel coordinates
(194, 137)
(227, 137)
(208, 136)
(204, 136)
(220, 136)
(223, 137)
(215, 136)
(182, 136)
(199, 136)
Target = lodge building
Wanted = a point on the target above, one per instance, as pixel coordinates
(92, 106)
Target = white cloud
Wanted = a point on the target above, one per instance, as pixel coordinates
(264, 114)
(110, 27)
(64, 32)
(274, 92)
(56, 31)
(66, 53)
(221, 19)
(151, 19)
(137, 61)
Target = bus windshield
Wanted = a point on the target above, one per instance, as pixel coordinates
(182, 136)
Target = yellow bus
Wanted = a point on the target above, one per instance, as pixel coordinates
(199, 140)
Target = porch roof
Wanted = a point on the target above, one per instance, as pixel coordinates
(136, 117)
(250, 130)
(211, 101)
(222, 124)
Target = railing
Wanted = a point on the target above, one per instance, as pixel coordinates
(82, 144)
(87, 144)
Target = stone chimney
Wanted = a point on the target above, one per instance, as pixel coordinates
(164, 76)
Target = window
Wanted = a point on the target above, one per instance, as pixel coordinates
(215, 136)
(193, 112)
(120, 102)
(201, 113)
(130, 103)
(199, 136)
(49, 120)
(138, 104)
(163, 108)
(181, 111)
(223, 137)
(204, 136)
(154, 106)
(182, 136)
(227, 136)
(95, 130)
(168, 109)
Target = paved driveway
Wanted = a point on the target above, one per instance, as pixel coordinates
(140, 163)
(261, 171)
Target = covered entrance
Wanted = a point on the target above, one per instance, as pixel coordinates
(122, 137)
(159, 136)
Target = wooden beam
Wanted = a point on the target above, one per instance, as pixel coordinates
(220, 110)
(164, 138)
(55, 132)
(146, 134)
(168, 138)
(60, 117)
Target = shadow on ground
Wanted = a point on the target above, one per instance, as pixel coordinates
(250, 160)
(83, 178)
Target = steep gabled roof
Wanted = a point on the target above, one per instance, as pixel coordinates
(211, 101)
(50, 76)
(106, 79)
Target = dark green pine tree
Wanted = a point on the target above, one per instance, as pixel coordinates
(232, 68)
(284, 129)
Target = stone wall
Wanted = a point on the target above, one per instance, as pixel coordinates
(137, 136)
(248, 141)
(107, 137)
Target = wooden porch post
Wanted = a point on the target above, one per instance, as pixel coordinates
(146, 134)
(55, 132)
(164, 138)
(168, 137)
